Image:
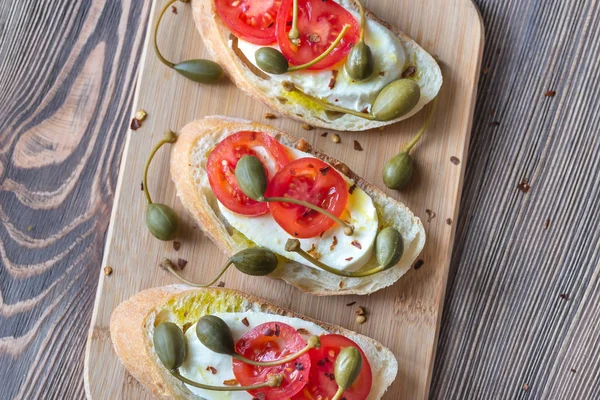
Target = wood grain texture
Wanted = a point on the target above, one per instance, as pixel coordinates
(504, 325)
(405, 317)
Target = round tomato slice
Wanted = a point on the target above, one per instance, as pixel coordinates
(250, 20)
(311, 180)
(321, 382)
(319, 23)
(221, 163)
(266, 342)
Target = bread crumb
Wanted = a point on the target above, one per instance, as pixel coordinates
(269, 115)
(360, 311)
(307, 127)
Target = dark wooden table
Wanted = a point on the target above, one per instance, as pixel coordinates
(522, 315)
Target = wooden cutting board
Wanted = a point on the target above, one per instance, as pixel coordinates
(404, 317)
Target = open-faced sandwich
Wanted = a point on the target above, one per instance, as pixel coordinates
(184, 343)
(328, 63)
(249, 185)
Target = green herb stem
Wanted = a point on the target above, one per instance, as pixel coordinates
(424, 127)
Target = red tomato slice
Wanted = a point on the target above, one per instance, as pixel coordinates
(319, 23)
(321, 382)
(311, 180)
(250, 20)
(221, 168)
(266, 342)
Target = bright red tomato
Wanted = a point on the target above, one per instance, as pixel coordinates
(319, 23)
(221, 168)
(311, 180)
(321, 381)
(266, 342)
(250, 20)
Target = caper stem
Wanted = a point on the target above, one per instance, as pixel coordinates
(169, 137)
(292, 246)
(158, 53)
(333, 45)
(339, 393)
(363, 20)
(177, 375)
(332, 107)
(349, 230)
(294, 32)
(313, 343)
(424, 127)
(170, 267)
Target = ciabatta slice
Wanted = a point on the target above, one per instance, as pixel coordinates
(220, 43)
(188, 170)
(132, 327)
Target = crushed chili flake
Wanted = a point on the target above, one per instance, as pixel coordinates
(333, 244)
(430, 215)
(547, 224)
(174, 9)
(245, 322)
(321, 363)
(277, 330)
(350, 304)
(454, 160)
(176, 245)
(356, 244)
(269, 115)
(357, 146)
(524, 186)
(409, 72)
(564, 296)
(221, 284)
(230, 382)
(449, 221)
(365, 110)
(299, 366)
(352, 188)
(135, 124)
(295, 233)
(330, 375)
(213, 370)
(307, 127)
(333, 79)
(419, 264)
(181, 263)
(302, 331)
(268, 332)
(321, 234)
(314, 37)
(324, 134)
(325, 170)
(550, 93)
(349, 258)
(142, 186)
(382, 73)
(341, 285)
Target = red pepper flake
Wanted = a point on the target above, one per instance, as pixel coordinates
(221, 284)
(365, 110)
(324, 134)
(352, 188)
(525, 387)
(213, 370)
(564, 296)
(495, 123)
(419, 264)
(430, 215)
(333, 79)
(382, 73)
(314, 38)
(341, 285)
(330, 375)
(135, 124)
(176, 245)
(245, 322)
(277, 330)
(230, 382)
(335, 242)
(302, 331)
(349, 258)
(174, 9)
(310, 165)
(268, 332)
(295, 233)
(409, 72)
(550, 93)
(321, 234)
(449, 221)
(142, 186)
(356, 244)
(325, 170)
(299, 366)
(547, 224)
(321, 362)
(524, 186)
(357, 146)
(181, 263)
(351, 304)
(454, 160)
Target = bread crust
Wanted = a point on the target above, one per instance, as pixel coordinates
(133, 321)
(216, 38)
(205, 131)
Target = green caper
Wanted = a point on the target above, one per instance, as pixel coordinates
(255, 261)
(271, 60)
(251, 177)
(389, 247)
(162, 221)
(396, 99)
(169, 345)
(198, 70)
(215, 334)
(360, 63)
(347, 367)
(398, 171)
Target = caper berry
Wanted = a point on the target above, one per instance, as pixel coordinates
(255, 261)
(347, 367)
(215, 334)
(398, 171)
(360, 63)
(389, 247)
(251, 177)
(198, 70)
(169, 345)
(396, 99)
(271, 60)
(162, 221)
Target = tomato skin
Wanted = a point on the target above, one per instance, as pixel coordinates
(272, 341)
(321, 380)
(221, 163)
(312, 180)
(250, 20)
(319, 23)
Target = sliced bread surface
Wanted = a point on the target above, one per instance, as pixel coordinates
(133, 321)
(188, 170)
